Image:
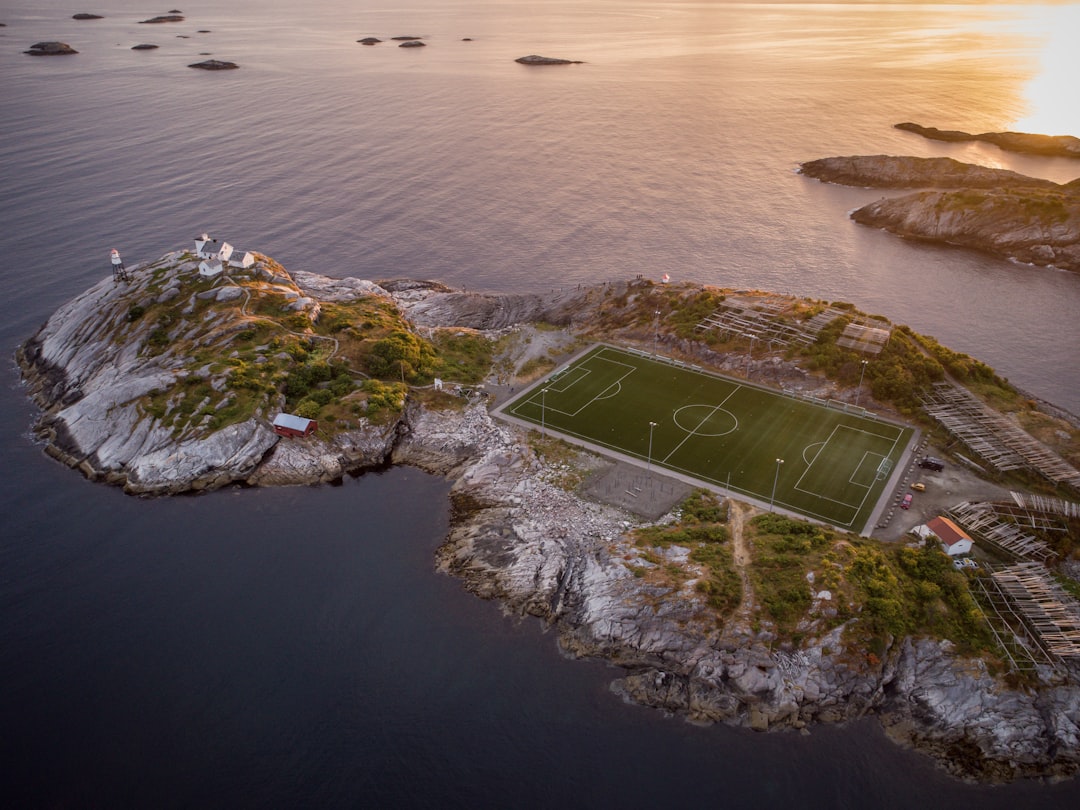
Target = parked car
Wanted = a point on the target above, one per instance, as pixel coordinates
(931, 463)
(906, 503)
(918, 486)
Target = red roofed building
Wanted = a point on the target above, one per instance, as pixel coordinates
(954, 540)
(285, 424)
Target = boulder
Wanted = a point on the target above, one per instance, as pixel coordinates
(214, 64)
(369, 41)
(412, 43)
(84, 16)
(164, 18)
(145, 46)
(50, 49)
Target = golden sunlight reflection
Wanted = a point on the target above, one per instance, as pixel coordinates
(1052, 95)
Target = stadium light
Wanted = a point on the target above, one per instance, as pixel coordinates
(776, 478)
(648, 464)
(858, 392)
(655, 331)
(543, 412)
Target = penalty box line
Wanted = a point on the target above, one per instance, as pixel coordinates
(584, 372)
(862, 501)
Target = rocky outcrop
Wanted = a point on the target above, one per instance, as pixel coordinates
(369, 41)
(1024, 142)
(82, 15)
(1001, 212)
(891, 171)
(99, 364)
(539, 550)
(50, 49)
(163, 18)
(1041, 229)
(145, 46)
(412, 43)
(533, 59)
(432, 304)
(214, 64)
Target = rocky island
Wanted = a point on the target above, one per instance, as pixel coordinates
(993, 210)
(1022, 142)
(533, 59)
(166, 379)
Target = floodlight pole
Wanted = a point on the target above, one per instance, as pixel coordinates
(648, 464)
(776, 478)
(858, 392)
(543, 412)
(655, 331)
(750, 356)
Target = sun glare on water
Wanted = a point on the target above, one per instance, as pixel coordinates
(1053, 95)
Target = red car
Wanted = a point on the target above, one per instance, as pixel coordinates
(906, 503)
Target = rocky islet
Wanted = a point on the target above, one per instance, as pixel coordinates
(520, 537)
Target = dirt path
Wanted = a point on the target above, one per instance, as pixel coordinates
(737, 515)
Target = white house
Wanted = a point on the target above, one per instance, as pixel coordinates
(210, 268)
(206, 248)
(216, 256)
(241, 258)
(954, 540)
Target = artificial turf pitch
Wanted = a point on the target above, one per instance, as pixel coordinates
(725, 432)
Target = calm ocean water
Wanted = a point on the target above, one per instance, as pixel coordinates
(285, 648)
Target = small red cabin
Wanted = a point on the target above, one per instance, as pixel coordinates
(285, 424)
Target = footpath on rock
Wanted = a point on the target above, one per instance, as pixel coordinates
(169, 381)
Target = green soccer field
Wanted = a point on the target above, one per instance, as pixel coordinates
(725, 432)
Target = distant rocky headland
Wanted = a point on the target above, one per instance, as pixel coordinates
(992, 210)
(1023, 142)
(166, 377)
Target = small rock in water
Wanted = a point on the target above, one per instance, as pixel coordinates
(369, 41)
(146, 46)
(533, 59)
(82, 15)
(412, 43)
(50, 49)
(215, 64)
(164, 18)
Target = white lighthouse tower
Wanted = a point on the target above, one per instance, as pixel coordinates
(118, 270)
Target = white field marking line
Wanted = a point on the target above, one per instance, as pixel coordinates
(585, 371)
(601, 395)
(851, 478)
(702, 422)
(819, 445)
(534, 398)
(581, 373)
(862, 502)
(605, 395)
(675, 421)
(830, 519)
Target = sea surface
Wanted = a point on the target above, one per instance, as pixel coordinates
(295, 647)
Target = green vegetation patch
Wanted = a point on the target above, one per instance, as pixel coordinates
(890, 591)
(702, 530)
